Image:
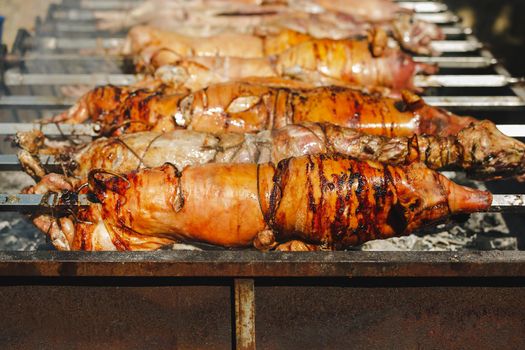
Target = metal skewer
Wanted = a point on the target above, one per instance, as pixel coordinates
(54, 43)
(508, 203)
(441, 61)
(15, 78)
(86, 12)
(88, 129)
(483, 80)
(437, 18)
(30, 202)
(514, 203)
(423, 6)
(9, 162)
(457, 62)
(50, 129)
(480, 102)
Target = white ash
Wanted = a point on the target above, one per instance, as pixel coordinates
(16, 231)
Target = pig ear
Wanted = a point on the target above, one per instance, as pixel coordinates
(413, 155)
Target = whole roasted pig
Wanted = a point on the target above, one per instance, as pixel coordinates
(479, 149)
(324, 201)
(357, 62)
(246, 107)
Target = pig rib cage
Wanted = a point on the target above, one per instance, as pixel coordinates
(470, 80)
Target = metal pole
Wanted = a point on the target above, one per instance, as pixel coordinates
(244, 294)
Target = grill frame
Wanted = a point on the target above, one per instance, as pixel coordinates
(242, 271)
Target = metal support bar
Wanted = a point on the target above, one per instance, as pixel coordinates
(15, 78)
(53, 43)
(40, 102)
(514, 203)
(457, 62)
(508, 203)
(437, 18)
(250, 264)
(483, 80)
(50, 129)
(441, 61)
(10, 162)
(475, 102)
(444, 46)
(244, 295)
(423, 6)
(30, 202)
(88, 7)
(456, 30)
(35, 102)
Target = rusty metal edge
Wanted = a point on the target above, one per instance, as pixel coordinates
(255, 264)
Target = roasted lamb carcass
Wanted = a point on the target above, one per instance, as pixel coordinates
(247, 107)
(367, 63)
(330, 202)
(480, 149)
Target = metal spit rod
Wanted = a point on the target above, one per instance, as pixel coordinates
(422, 6)
(88, 129)
(88, 14)
(50, 129)
(16, 202)
(54, 43)
(15, 78)
(512, 130)
(90, 26)
(480, 102)
(12, 202)
(457, 62)
(441, 61)
(465, 80)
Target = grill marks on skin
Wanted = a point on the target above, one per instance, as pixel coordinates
(346, 202)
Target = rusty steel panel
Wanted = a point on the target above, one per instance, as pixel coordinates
(226, 263)
(62, 314)
(382, 317)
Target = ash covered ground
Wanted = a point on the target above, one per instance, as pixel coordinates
(479, 232)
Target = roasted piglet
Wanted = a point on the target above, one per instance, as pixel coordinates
(355, 62)
(480, 149)
(246, 107)
(309, 18)
(328, 202)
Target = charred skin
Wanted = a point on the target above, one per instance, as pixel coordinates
(339, 202)
(331, 201)
(245, 107)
